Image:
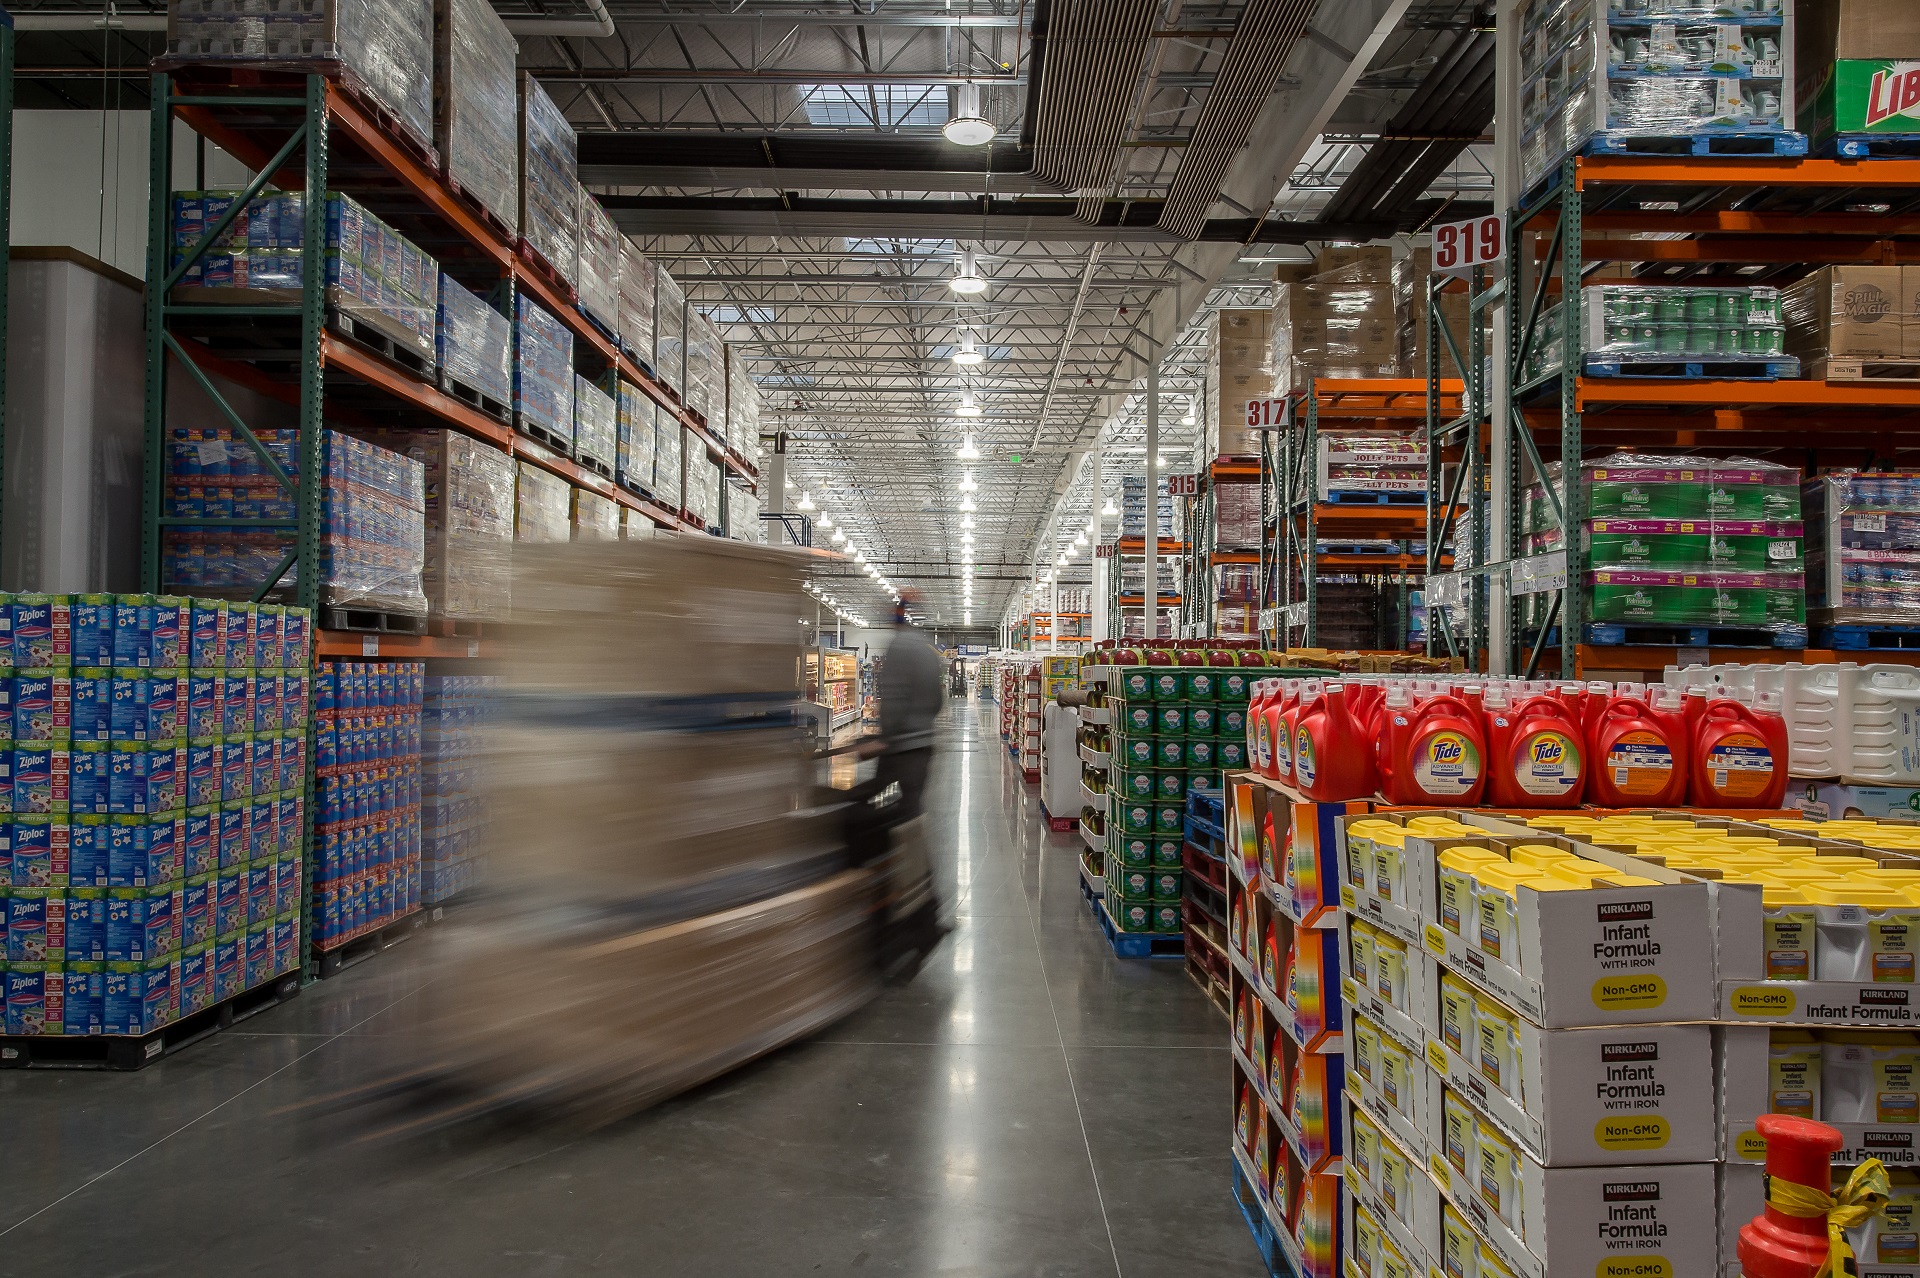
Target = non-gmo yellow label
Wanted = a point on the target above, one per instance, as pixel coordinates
(1622, 993)
(1348, 898)
(1437, 939)
(1634, 1267)
(1750, 1146)
(1647, 1131)
(1442, 1169)
(1437, 1057)
(1769, 1001)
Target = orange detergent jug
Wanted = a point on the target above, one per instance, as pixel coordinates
(1638, 755)
(1302, 700)
(1273, 739)
(1259, 748)
(1330, 757)
(1536, 753)
(1439, 753)
(1739, 759)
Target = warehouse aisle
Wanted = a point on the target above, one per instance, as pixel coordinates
(1028, 1106)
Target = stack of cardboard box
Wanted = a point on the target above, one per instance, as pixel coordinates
(1242, 371)
(1841, 315)
(1851, 58)
(1336, 322)
(1411, 275)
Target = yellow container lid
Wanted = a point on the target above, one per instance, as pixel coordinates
(1505, 876)
(1775, 896)
(1841, 864)
(1860, 894)
(1468, 858)
(1540, 854)
(1617, 879)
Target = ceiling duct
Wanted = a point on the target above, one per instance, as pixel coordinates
(1091, 65)
(1249, 72)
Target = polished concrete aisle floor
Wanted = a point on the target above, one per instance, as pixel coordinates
(1029, 1105)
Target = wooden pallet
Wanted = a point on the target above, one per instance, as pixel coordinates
(475, 205)
(372, 621)
(456, 628)
(536, 261)
(341, 955)
(130, 1051)
(545, 436)
(1863, 368)
(363, 333)
(594, 465)
(477, 399)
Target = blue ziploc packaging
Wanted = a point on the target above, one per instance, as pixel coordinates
(269, 636)
(235, 833)
(40, 776)
(230, 900)
(169, 633)
(266, 703)
(294, 636)
(203, 773)
(42, 631)
(133, 631)
(146, 704)
(36, 925)
(145, 778)
(35, 1000)
(257, 956)
(86, 925)
(89, 851)
(140, 997)
(293, 699)
(42, 707)
(206, 706)
(286, 945)
(142, 923)
(266, 774)
(236, 768)
(286, 884)
(90, 778)
(92, 619)
(86, 990)
(200, 840)
(237, 691)
(41, 854)
(290, 759)
(236, 637)
(196, 911)
(196, 979)
(263, 833)
(145, 851)
(206, 638)
(289, 812)
(91, 697)
(260, 891)
(227, 969)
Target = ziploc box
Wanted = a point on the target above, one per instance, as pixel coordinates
(236, 768)
(203, 774)
(36, 925)
(170, 632)
(269, 636)
(229, 900)
(196, 911)
(89, 851)
(86, 925)
(36, 1000)
(133, 632)
(90, 703)
(41, 627)
(289, 812)
(145, 706)
(200, 840)
(260, 891)
(256, 956)
(296, 629)
(138, 998)
(226, 964)
(86, 989)
(142, 923)
(196, 980)
(90, 778)
(236, 637)
(40, 779)
(145, 778)
(286, 884)
(266, 703)
(206, 637)
(41, 853)
(290, 761)
(205, 712)
(264, 781)
(286, 945)
(237, 691)
(91, 623)
(263, 831)
(235, 833)
(145, 851)
(295, 690)
(42, 708)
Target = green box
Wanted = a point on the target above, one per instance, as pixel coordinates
(1644, 543)
(1134, 850)
(1169, 683)
(1136, 718)
(1131, 916)
(1170, 719)
(1170, 752)
(1138, 785)
(1203, 683)
(1168, 851)
(1167, 884)
(1134, 752)
(1231, 754)
(1231, 722)
(1135, 683)
(1169, 818)
(1136, 818)
(1237, 685)
(1132, 883)
(1700, 599)
(1202, 752)
(1170, 783)
(1203, 720)
(1166, 917)
(1859, 95)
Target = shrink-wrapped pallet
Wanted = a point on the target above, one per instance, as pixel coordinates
(594, 432)
(543, 506)
(636, 302)
(385, 47)
(542, 374)
(475, 109)
(669, 332)
(634, 445)
(595, 518)
(372, 527)
(549, 181)
(473, 346)
(469, 520)
(600, 241)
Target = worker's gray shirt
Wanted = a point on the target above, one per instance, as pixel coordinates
(910, 690)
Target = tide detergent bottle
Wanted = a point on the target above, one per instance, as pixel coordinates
(1638, 753)
(1439, 753)
(1259, 755)
(1273, 745)
(1739, 754)
(1536, 753)
(1303, 700)
(1330, 756)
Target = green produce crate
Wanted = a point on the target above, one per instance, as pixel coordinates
(1166, 916)
(1170, 752)
(1169, 783)
(1230, 754)
(1136, 719)
(1231, 722)
(1134, 752)
(1203, 720)
(1132, 916)
(1136, 818)
(1138, 784)
(1170, 719)
(1135, 849)
(1202, 752)
(1135, 683)
(1168, 850)
(1166, 885)
(1170, 818)
(1203, 683)
(1168, 683)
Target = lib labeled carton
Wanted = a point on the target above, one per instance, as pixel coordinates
(1856, 60)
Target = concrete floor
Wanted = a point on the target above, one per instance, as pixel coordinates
(1029, 1105)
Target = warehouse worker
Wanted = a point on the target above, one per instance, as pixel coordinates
(910, 697)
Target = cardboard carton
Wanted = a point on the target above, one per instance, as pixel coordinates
(1848, 310)
(1358, 264)
(1854, 63)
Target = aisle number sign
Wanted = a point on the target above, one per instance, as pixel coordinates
(1458, 247)
(1183, 485)
(1266, 414)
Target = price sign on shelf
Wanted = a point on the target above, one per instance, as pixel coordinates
(1458, 247)
(1183, 485)
(1266, 414)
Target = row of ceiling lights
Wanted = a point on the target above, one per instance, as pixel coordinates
(847, 546)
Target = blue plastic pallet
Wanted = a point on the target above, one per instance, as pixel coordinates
(1617, 635)
(1362, 498)
(1867, 638)
(1872, 146)
(1247, 1198)
(1740, 143)
(1769, 369)
(1207, 804)
(1148, 945)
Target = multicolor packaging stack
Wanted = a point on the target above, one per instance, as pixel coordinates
(474, 343)
(468, 573)
(212, 473)
(373, 524)
(1133, 507)
(600, 243)
(543, 505)
(542, 373)
(475, 110)
(549, 180)
(454, 716)
(1863, 555)
(634, 443)
(595, 431)
(670, 331)
(595, 518)
(155, 811)
(636, 302)
(372, 273)
(366, 860)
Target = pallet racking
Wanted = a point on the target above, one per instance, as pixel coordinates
(1170, 573)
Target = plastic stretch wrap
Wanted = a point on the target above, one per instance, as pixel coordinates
(542, 370)
(456, 714)
(743, 515)
(1600, 67)
(701, 480)
(474, 343)
(703, 372)
(549, 180)
(1372, 461)
(475, 111)
(1411, 276)
(669, 446)
(373, 274)
(543, 507)
(1133, 507)
(636, 301)
(367, 797)
(1863, 558)
(635, 526)
(1242, 369)
(469, 520)
(1692, 541)
(600, 242)
(595, 518)
(1864, 312)
(1336, 323)
(595, 435)
(634, 437)
(1236, 583)
(1548, 354)
(372, 527)
(386, 44)
(743, 407)
(669, 331)
(1632, 324)
(1237, 515)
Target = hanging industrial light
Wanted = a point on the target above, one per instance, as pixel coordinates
(823, 521)
(967, 126)
(1109, 509)
(805, 502)
(966, 523)
(1081, 540)
(966, 506)
(967, 451)
(838, 537)
(967, 408)
(966, 484)
(969, 281)
(967, 356)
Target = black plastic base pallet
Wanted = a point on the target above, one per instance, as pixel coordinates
(372, 621)
(543, 436)
(477, 399)
(1867, 638)
(1148, 945)
(1615, 635)
(1723, 370)
(361, 333)
(595, 466)
(361, 948)
(130, 1051)
(1871, 146)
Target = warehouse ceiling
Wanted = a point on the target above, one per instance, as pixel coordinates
(1153, 159)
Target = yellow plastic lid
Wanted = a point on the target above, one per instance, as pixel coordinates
(1505, 876)
(1841, 864)
(1774, 896)
(1862, 895)
(1467, 858)
(1617, 879)
(1541, 855)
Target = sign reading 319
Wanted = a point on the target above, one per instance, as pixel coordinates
(1458, 247)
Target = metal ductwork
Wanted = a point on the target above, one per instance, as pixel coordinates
(595, 23)
(1249, 72)
(1090, 71)
(96, 20)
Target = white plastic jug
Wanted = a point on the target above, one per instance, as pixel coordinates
(1818, 735)
(1882, 712)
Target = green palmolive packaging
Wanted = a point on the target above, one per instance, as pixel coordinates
(1699, 599)
(1700, 545)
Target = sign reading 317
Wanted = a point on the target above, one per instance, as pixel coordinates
(1458, 247)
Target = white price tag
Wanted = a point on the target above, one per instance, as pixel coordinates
(473, 647)
(1266, 414)
(369, 645)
